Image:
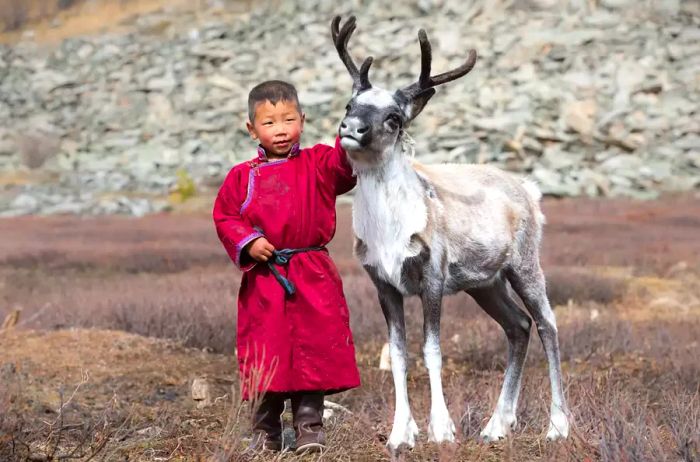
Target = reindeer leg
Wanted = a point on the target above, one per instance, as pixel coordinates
(441, 427)
(404, 430)
(498, 304)
(529, 283)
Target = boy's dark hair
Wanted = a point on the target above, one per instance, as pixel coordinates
(272, 91)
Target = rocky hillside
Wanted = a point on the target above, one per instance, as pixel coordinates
(596, 98)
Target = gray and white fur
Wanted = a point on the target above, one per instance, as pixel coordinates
(435, 230)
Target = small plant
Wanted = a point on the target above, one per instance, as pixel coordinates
(184, 187)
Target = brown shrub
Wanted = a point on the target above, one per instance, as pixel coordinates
(197, 307)
(36, 149)
(13, 14)
(581, 285)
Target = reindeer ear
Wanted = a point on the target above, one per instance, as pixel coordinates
(413, 104)
(420, 100)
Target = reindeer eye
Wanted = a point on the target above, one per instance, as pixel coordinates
(347, 108)
(393, 121)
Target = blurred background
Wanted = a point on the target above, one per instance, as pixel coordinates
(120, 118)
(132, 106)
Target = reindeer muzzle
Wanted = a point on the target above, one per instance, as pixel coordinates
(354, 133)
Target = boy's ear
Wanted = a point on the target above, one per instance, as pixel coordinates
(303, 119)
(251, 130)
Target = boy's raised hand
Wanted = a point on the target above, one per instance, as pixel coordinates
(260, 249)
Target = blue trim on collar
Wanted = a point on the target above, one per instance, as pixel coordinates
(262, 154)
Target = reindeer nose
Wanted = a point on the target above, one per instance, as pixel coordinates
(355, 128)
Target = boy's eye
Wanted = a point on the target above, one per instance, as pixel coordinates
(267, 123)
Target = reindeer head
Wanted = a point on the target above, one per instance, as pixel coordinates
(374, 117)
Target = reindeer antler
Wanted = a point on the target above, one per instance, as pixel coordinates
(341, 36)
(425, 80)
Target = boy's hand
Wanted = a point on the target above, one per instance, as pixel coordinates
(260, 249)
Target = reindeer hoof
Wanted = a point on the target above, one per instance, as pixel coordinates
(498, 428)
(558, 427)
(492, 437)
(403, 436)
(441, 430)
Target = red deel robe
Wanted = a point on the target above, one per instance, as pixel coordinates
(303, 341)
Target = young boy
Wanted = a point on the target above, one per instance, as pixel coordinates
(274, 215)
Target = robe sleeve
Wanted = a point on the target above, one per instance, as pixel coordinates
(334, 167)
(234, 231)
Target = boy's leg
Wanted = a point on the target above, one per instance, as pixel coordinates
(307, 408)
(267, 422)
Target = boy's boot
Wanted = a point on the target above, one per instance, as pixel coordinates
(307, 408)
(267, 423)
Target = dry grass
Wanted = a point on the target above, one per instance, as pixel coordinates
(628, 319)
(15, 14)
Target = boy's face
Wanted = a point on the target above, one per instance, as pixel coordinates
(277, 126)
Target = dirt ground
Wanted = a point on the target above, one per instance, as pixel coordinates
(48, 22)
(120, 315)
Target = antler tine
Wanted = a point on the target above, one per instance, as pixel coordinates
(335, 28)
(425, 80)
(364, 73)
(456, 73)
(426, 58)
(341, 37)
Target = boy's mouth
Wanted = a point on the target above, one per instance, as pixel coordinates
(281, 144)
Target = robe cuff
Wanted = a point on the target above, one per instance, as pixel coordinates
(247, 266)
(343, 155)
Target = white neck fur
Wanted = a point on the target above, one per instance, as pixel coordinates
(389, 207)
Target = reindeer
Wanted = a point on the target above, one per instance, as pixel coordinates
(435, 230)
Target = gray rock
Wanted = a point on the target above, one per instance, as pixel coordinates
(593, 98)
(690, 142)
(617, 4)
(694, 158)
(314, 98)
(580, 116)
(625, 165)
(553, 183)
(25, 203)
(592, 183)
(65, 208)
(7, 147)
(555, 159)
